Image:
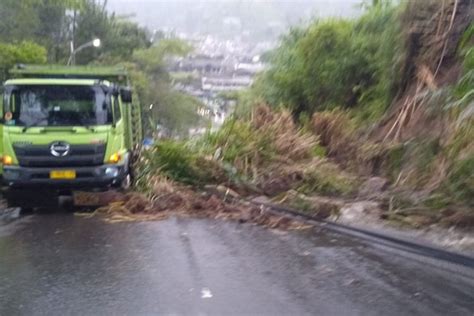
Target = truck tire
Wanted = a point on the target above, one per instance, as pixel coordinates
(26, 210)
(30, 199)
(15, 203)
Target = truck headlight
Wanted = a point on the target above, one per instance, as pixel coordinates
(112, 172)
(115, 158)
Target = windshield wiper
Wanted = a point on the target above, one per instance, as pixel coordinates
(34, 124)
(86, 125)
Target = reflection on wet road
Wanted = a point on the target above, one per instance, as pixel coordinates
(57, 264)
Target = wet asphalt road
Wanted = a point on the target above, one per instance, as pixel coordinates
(60, 264)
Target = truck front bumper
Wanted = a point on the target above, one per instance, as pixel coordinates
(86, 177)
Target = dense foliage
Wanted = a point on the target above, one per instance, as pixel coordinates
(387, 94)
(173, 111)
(24, 52)
(336, 63)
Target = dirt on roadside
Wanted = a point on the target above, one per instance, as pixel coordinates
(170, 199)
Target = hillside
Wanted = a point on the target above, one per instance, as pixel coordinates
(376, 109)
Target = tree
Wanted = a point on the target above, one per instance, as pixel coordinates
(42, 21)
(335, 63)
(18, 21)
(282, 83)
(25, 52)
(173, 110)
(333, 70)
(120, 38)
(125, 37)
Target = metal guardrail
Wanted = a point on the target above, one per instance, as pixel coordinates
(387, 240)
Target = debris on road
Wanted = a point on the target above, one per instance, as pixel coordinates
(171, 199)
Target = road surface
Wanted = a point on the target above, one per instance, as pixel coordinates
(61, 264)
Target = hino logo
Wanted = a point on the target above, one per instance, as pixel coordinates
(60, 149)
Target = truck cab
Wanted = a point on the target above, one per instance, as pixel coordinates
(65, 129)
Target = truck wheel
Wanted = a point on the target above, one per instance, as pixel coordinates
(11, 202)
(15, 203)
(26, 210)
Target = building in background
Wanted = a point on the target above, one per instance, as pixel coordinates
(215, 68)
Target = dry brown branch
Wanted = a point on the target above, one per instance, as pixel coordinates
(441, 13)
(427, 77)
(387, 136)
(445, 36)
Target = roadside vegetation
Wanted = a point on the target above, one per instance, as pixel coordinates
(379, 107)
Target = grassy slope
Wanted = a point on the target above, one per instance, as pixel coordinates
(409, 119)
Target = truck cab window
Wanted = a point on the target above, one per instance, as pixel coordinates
(44, 105)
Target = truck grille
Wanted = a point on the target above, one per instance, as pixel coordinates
(78, 156)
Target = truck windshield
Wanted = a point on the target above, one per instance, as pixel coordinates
(43, 105)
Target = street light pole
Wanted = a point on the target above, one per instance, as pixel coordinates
(71, 54)
(72, 58)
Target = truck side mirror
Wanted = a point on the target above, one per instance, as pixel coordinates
(126, 95)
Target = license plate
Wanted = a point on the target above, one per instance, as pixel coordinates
(62, 174)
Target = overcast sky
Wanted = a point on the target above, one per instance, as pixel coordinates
(211, 16)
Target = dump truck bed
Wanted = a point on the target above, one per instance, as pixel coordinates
(114, 74)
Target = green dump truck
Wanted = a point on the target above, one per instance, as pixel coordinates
(65, 129)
